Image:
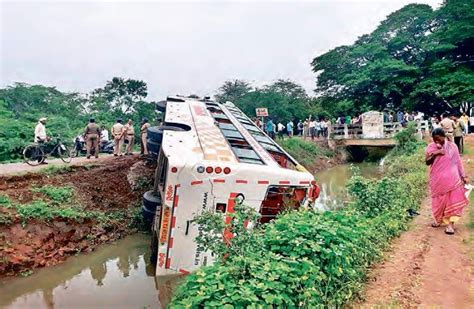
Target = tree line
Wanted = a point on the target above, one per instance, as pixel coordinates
(417, 59)
(21, 105)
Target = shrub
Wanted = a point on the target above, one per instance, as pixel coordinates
(303, 151)
(56, 194)
(307, 258)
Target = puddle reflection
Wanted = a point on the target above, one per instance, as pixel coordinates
(117, 275)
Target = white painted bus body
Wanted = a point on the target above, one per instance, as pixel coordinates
(188, 186)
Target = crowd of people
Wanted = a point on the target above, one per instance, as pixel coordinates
(95, 137)
(309, 128)
(455, 125)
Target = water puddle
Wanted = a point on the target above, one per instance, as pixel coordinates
(333, 183)
(116, 275)
(120, 275)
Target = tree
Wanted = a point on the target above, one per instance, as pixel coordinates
(119, 95)
(416, 59)
(233, 91)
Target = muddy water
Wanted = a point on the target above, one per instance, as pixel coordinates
(333, 183)
(114, 276)
(120, 276)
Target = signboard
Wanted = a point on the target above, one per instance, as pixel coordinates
(165, 225)
(372, 125)
(262, 112)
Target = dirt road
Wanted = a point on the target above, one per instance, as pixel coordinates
(21, 167)
(427, 268)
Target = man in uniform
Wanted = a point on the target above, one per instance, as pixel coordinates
(129, 133)
(117, 134)
(143, 136)
(91, 135)
(448, 125)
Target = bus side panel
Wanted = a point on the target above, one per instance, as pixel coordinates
(193, 198)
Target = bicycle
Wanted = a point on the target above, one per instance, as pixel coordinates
(34, 154)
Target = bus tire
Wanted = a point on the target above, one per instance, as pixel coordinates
(155, 134)
(153, 147)
(151, 200)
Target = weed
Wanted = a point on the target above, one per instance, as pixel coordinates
(46, 212)
(56, 194)
(56, 169)
(143, 183)
(305, 258)
(303, 151)
(5, 202)
(26, 273)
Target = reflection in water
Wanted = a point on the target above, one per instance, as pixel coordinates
(119, 275)
(116, 275)
(333, 184)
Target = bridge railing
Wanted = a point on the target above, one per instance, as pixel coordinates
(390, 129)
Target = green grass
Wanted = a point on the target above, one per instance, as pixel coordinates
(305, 152)
(56, 194)
(55, 169)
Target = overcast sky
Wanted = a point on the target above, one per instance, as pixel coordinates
(177, 47)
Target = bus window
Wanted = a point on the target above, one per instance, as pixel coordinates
(279, 199)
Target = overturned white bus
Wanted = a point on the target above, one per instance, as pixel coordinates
(209, 155)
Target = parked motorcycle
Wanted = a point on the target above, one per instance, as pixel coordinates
(80, 147)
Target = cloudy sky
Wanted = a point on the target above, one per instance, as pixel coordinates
(177, 47)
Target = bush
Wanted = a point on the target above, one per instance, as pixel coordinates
(303, 151)
(307, 258)
(407, 142)
(56, 194)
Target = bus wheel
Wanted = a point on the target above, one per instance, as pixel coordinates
(153, 147)
(155, 134)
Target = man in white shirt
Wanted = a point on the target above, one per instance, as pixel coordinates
(40, 131)
(312, 128)
(104, 136)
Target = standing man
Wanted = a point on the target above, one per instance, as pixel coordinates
(465, 121)
(117, 133)
(270, 126)
(129, 133)
(448, 125)
(40, 136)
(40, 131)
(289, 128)
(458, 133)
(91, 135)
(104, 136)
(143, 136)
(299, 127)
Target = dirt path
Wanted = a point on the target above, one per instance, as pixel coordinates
(21, 167)
(427, 268)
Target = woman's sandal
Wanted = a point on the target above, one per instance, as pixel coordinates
(435, 225)
(449, 231)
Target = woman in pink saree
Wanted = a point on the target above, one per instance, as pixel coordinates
(447, 180)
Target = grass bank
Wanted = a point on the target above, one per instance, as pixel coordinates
(47, 216)
(314, 157)
(308, 258)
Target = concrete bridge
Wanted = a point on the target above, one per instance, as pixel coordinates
(372, 132)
